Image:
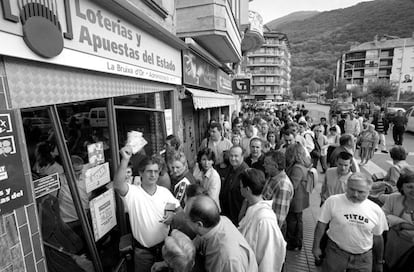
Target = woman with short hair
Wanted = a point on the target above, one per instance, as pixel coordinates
(180, 175)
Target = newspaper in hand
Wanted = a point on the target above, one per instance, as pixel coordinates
(136, 141)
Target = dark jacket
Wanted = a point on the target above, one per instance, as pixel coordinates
(231, 199)
(257, 165)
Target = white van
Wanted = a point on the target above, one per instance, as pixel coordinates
(98, 117)
(410, 117)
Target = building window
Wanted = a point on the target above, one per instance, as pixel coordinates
(156, 5)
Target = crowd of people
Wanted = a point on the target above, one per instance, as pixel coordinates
(240, 207)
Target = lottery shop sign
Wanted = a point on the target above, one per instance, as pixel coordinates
(13, 188)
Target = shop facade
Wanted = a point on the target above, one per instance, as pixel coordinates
(206, 97)
(101, 70)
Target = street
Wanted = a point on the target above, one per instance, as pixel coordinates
(303, 260)
(381, 162)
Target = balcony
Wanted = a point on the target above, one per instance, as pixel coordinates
(212, 25)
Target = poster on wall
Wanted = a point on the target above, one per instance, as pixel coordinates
(13, 187)
(103, 213)
(96, 153)
(198, 72)
(97, 176)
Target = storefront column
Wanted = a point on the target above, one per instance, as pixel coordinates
(70, 176)
(113, 141)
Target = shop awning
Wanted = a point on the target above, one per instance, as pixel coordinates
(204, 99)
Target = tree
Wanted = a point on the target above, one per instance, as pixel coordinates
(357, 92)
(297, 91)
(313, 87)
(381, 90)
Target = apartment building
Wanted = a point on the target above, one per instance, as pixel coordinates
(269, 67)
(389, 57)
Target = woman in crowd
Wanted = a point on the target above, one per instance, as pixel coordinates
(297, 164)
(399, 209)
(206, 175)
(273, 140)
(398, 156)
(368, 141)
(181, 177)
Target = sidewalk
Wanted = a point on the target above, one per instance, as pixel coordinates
(298, 261)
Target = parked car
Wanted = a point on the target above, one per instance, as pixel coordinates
(410, 117)
(392, 112)
(341, 108)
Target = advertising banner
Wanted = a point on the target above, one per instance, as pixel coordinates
(13, 187)
(198, 72)
(103, 213)
(82, 34)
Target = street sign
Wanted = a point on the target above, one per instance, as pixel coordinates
(241, 86)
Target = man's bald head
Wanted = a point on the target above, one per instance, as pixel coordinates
(203, 209)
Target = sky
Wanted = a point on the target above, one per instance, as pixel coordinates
(273, 9)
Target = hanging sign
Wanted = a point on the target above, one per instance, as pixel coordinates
(97, 176)
(96, 153)
(46, 185)
(103, 213)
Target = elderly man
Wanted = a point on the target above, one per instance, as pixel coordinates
(259, 225)
(256, 157)
(218, 240)
(218, 144)
(355, 230)
(231, 199)
(150, 208)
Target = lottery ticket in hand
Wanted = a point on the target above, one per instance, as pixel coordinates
(136, 141)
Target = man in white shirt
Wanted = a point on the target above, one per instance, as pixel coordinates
(217, 143)
(308, 135)
(355, 230)
(352, 125)
(150, 207)
(259, 225)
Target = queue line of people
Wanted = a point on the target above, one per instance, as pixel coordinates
(261, 166)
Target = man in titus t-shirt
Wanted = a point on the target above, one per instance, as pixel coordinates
(355, 230)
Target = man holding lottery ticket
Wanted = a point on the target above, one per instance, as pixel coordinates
(150, 206)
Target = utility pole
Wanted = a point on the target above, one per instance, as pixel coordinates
(402, 62)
